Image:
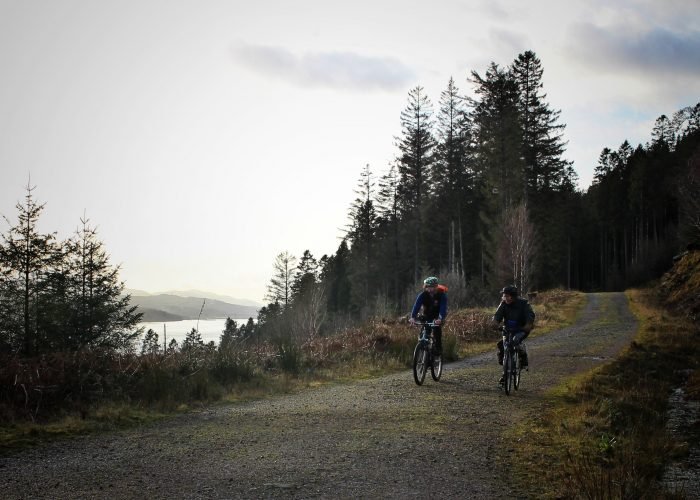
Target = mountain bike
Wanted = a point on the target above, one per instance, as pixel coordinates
(424, 355)
(512, 361)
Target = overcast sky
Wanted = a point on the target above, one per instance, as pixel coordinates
(204, 137)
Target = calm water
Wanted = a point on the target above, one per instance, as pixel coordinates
(209, 329)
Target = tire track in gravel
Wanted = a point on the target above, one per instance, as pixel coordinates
(382, 438)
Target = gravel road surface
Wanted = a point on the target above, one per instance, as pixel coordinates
(379, 438)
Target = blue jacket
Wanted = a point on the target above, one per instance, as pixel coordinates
(434, 307)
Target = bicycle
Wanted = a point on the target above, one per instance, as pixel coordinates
(512, 362)
(424, 355)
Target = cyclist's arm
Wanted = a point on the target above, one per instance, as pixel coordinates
(530, 319)
(442, 315)
(417, 305)
(499, 314)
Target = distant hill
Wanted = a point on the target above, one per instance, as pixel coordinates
(158, 315)
(214, 296)
(163, 307)
(196, 293)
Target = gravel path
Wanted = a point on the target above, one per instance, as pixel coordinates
(380, 438)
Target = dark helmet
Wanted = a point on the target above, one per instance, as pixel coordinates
(430, 281)
(511, 290)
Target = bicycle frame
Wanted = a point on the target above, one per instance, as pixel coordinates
(423, 356)
(511, 361)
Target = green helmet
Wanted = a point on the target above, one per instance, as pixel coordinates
(430, 281)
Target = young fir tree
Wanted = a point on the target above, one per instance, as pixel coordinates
(28, 257)
(305, 277)
(280, 288)
(102, 314)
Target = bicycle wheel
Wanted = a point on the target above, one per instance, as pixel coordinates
(507, 370)
(516, 369)
(420, 355)
(436, 367)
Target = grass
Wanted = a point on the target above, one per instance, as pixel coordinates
(606, 427)
(164, 387)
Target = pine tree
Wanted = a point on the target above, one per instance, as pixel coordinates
(280, 288)
(27, 257)
(361, 233)
(335, 278)
(150, 346)
(451, 177)
(305, 277)
(498, 160)
(102, 314)
(388, 228)
(542, 142)
(414, 163)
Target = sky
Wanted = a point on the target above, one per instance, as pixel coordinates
(202, 138)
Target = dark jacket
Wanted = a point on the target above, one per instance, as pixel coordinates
(515, 315)
(434, 307)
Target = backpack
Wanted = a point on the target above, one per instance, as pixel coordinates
(442, 288)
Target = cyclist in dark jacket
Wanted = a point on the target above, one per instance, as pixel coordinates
(517, 316)
(433, 300)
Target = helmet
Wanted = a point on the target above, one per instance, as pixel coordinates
(430, 281)
(511, 290)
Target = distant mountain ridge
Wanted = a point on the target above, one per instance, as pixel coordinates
(166, 307)
(196, 293)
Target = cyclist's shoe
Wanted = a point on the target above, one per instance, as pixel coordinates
(502, 380)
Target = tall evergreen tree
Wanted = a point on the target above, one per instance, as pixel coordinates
(389, 231)
(414, 164)
(280, 288)
(549, 178)
(27, 257)
(335, 277)
(102, 315)
(362, 231)
(305, 277)
(498, 160)
(451, 176)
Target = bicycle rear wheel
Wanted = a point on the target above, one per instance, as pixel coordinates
(507, 370)
(420, 357)
(436, 367)
(516, 369)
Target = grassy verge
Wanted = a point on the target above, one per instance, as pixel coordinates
(152, 387)
(606, 427)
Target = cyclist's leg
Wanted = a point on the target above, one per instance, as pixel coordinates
(519, 338)
(500, 351)
(437, 333)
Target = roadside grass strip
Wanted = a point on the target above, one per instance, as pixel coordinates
(606, 428)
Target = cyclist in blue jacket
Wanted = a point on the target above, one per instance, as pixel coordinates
(433, 301)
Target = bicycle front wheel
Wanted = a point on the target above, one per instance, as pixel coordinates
(516, 369)
(507, 370)
(420, 357)
(436, 367)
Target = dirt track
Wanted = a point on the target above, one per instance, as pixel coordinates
(381, 438)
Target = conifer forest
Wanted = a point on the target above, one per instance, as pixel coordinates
(480, 194)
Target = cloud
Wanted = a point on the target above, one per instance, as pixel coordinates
(344, 70)
(657, 50)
